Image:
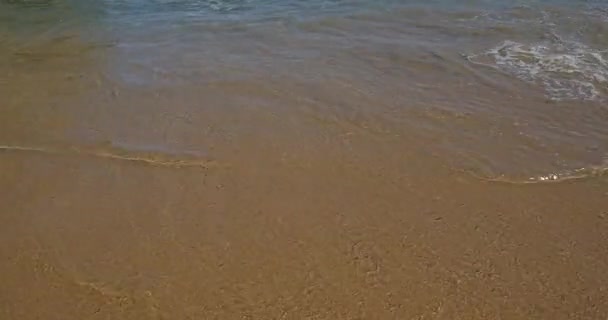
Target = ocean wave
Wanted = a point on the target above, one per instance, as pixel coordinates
(567, 70)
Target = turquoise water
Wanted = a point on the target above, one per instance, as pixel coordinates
(536, 41)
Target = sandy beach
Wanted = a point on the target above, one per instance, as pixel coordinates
(237, 160)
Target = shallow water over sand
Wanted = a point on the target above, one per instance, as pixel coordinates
(516, 91)
(303, 159)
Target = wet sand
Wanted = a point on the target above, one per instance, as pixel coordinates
(183, 203)
(295, 227)
(350, 165)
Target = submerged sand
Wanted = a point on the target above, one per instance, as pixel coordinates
(295, 231)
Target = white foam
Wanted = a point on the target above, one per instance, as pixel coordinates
(223, 5)
(577, 174)
(567, 70)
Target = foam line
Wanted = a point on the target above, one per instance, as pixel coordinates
(120, 155)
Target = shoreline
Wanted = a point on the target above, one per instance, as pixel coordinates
(307, 235)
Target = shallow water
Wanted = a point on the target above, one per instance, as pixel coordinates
(516, 90)
(288, 159)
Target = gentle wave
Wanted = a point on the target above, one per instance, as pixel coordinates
(567, 70)
(118, 153)
(577, 174)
